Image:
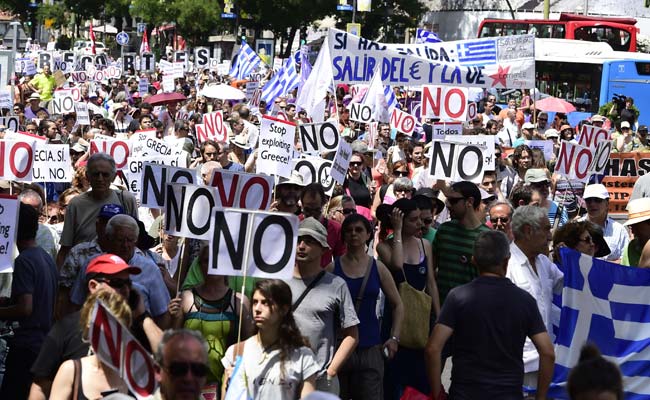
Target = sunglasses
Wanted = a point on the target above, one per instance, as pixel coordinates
(356, 163)
(400, 173)
(542, 119)
(503, 220)
(348, 211)
(179, 369)
(454, 200)
(115, 283)
(588, 239)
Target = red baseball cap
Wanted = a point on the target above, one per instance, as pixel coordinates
(110, 264)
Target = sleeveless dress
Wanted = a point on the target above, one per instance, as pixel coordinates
(406, 369)
(218, 323)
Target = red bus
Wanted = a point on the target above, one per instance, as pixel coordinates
(619, 33)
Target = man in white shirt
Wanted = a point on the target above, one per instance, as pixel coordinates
(530, 269)
(596, 198)
(510, 131)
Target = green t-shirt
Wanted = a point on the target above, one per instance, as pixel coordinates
(453, 247)
(195, 278)
(45, 85)
(632, 254)
(430, 236)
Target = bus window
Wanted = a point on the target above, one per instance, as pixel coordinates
(544, 31)
(488, 29)
(558, 31)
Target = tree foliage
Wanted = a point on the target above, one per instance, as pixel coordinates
(388, 20)
(196, 19)
(55, 12)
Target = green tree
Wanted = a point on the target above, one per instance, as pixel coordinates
(55, 13)
(154, 12)
(196, 19)
(285, 17)
(389, 19)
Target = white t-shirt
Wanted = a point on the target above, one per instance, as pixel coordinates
(263, 373)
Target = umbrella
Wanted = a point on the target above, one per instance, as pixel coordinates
(554, 104)
(224, 92)
(164, 98)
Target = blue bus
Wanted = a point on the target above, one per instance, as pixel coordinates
(589, 75)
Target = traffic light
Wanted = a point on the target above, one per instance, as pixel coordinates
(242, 35)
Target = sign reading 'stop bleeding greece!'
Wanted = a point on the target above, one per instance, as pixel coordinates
(506, 62)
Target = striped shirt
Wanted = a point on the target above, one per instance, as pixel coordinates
(452, 248)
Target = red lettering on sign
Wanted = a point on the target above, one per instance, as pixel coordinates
(266, 192)
(102, 328)
(218, 182)
(134, 348)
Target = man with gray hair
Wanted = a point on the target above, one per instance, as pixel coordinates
(531, 269)
(121, 234)
(500, 215)
(224, 158)
(46, 236)
(487, 363)
(81, 213)
(181, 364)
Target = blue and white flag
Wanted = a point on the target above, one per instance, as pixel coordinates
(380, 98)
(305, 68)
(425, 36)
(480, 51)
(237, 387)
(608, 305)
(246, 62)
(285, 80)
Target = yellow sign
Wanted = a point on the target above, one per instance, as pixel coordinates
(364, 5)
(48, 22)
(353, 29)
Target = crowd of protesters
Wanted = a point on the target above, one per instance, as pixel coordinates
(337, 325)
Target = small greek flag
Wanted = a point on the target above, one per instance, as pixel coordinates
(285, 80)
(425, 36)
(246, 62)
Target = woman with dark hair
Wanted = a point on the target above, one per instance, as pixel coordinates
(362, 375)
(594, 377)
(388, 193)
(522, 159)
(356, 185)
(410, 259)
(583, 236)
(278, 362)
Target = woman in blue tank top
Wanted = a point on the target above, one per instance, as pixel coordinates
(408, 257)
(362, 375)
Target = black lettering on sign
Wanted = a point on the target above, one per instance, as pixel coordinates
(198, 193)
(461, 164)
(258, 257)
(174, 209)
(438, 155)
(235, 249)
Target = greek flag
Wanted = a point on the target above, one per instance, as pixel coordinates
(305, 67)
(425, 36)
(237, 387)
(283, 81)
(608, 305)
(478, 52)
(246, 62)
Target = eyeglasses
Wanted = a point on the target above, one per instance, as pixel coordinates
(179, 369)
(348, 211)
(356, 163)
(115, 283)
(496, 220)
(400, 173)
(587, 239)
(542, 119)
